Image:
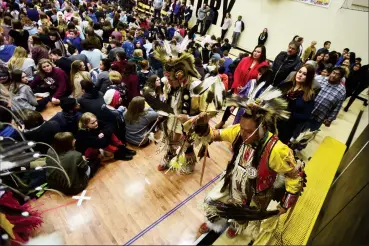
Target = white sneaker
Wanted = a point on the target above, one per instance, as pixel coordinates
(43, 95)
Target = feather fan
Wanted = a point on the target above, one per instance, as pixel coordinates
(304, 137)
(241, 213)
(184, 44)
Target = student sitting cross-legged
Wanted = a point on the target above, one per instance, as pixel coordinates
(77, 167)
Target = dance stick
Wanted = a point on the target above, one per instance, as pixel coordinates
(203, 164)
(148, 133)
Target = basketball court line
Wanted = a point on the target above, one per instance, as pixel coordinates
(167, 214)
(170, 212)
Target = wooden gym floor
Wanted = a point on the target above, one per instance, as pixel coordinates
(133, 203)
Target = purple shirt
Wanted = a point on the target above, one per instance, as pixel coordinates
(177, 8)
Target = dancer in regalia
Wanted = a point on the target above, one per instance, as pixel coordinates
(185, 96)
(260, 166)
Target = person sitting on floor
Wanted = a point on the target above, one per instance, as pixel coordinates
(112, 114)
(50, 79)
(93, 136)
(39, 130)
(138, 121)
(91, 99)
(23, 95)
(116, 81)
(7, 128)
(69, 117)
(76, 166)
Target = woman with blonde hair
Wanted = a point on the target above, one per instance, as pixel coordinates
(77, 74)
(117, 84)
(62, 28)
(29, 25)
(20, 61)
(137, 58)
(94, 135)
(44, 20)
(50, 80)
(138, 121)
(300, 100)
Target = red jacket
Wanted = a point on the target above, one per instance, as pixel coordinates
(119, 66)
(131, 82)
(224, 78)
(242, 74)
(56, 80)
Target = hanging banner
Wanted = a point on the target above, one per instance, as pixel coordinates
(320, 3)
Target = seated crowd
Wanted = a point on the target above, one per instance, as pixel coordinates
(97, 63)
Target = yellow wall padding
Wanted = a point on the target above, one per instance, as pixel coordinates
(320, 172)
(295, 227)
(148, 9)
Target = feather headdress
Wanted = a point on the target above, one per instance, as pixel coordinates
(268, 106)
(183, 63)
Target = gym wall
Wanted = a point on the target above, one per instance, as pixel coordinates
(286, 18)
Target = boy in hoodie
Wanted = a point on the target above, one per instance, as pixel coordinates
(171, 31)
(69, 117)
(92, 15)
(6, 50)
(74, 39)
(128, 46)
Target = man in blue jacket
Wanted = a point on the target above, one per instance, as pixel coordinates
(6, 50)
(32, 13)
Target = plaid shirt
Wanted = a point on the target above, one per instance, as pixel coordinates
(329, 101)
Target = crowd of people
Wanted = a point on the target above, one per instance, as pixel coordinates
(96, 61)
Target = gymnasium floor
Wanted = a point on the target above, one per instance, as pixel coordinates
(133, 203)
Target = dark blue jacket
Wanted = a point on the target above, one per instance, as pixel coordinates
(177, 8)
(68, 122)
(93, 18)
(76, 42)
(33, 14)
(171, 32)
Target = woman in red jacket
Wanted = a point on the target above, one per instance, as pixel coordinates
(130, 78)
(246, 70)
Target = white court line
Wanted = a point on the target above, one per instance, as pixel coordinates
(81, 198)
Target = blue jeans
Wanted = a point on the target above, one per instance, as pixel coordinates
(236, 36)
(187, 18)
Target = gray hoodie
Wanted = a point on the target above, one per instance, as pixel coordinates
(201, 13)
(157, 4)
(24, 97)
